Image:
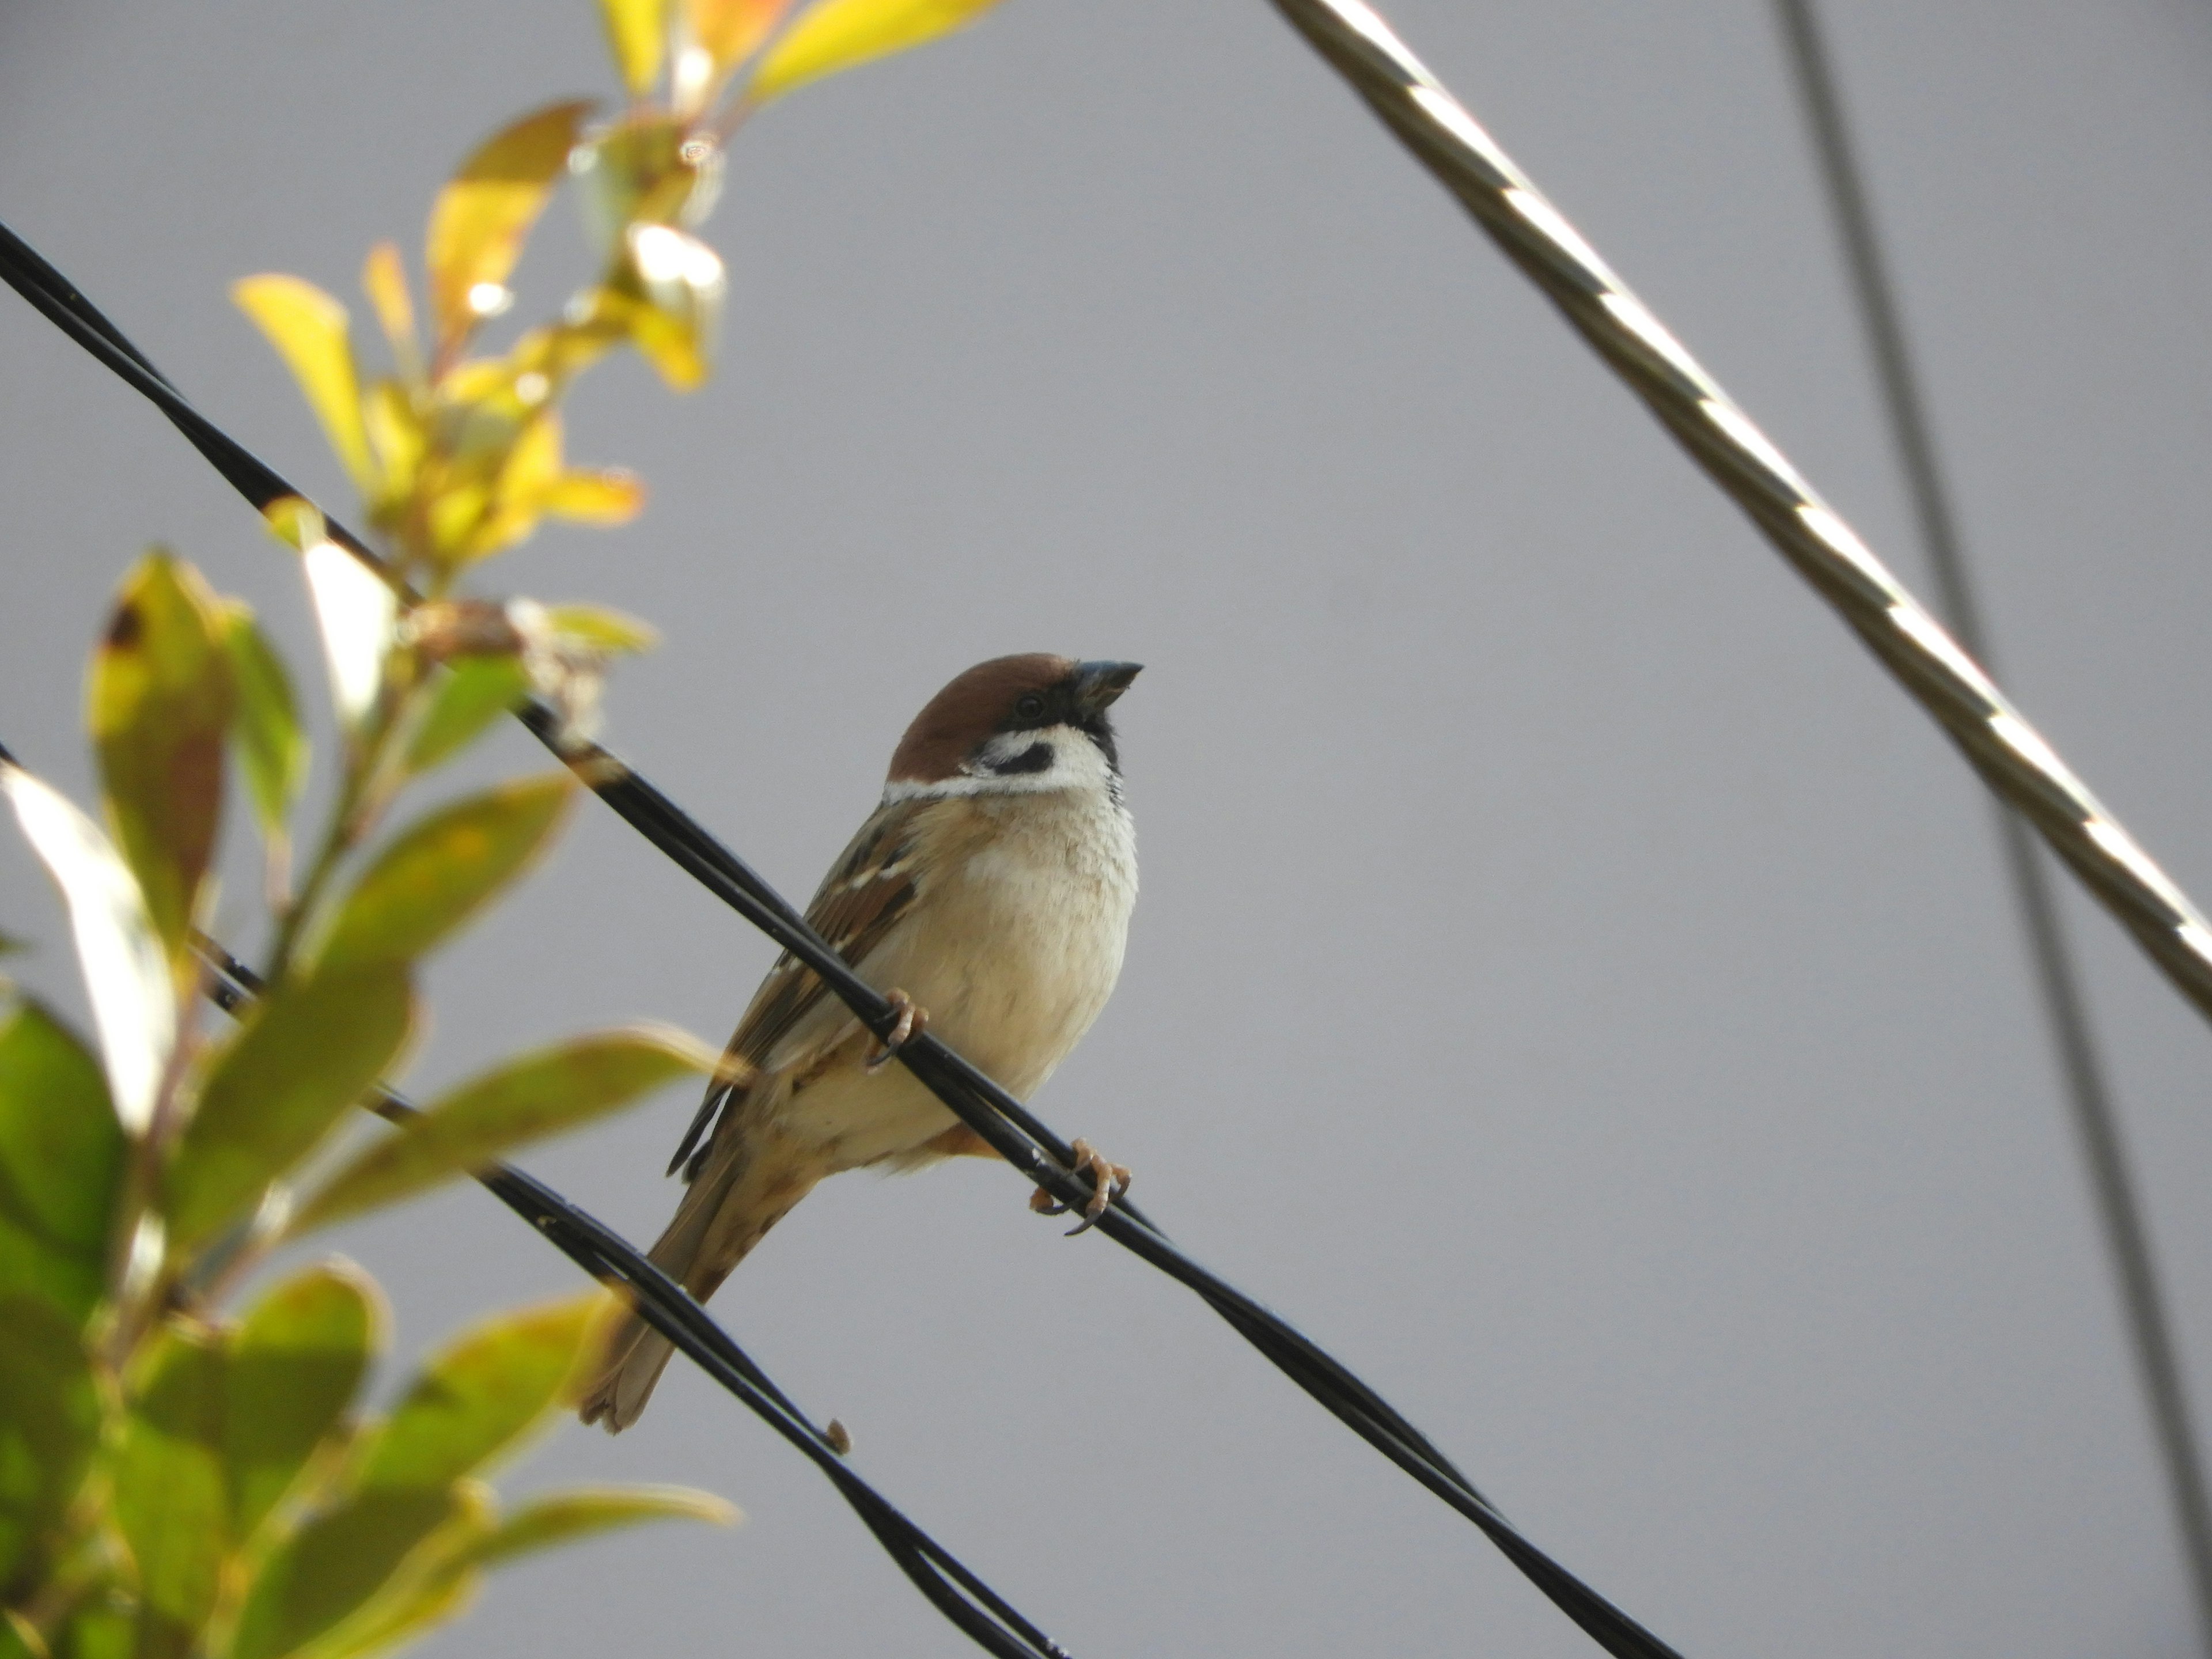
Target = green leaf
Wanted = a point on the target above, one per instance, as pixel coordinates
(308, 329)
(579, 1511)
(169, 1497)
(609, 633)
(61, 1158)
(438, 874)
(477, 692)
(306, 1052)
(104, 1627)
(271, 747)
(334, 1564)
(18, 1640)
(835, 35)
(479, 221)
(49, 1425)
(478, 1395)
(675, 311)
(415, 1607)
(294, 1364)
(160, 702)
(526, 1100)
(637, 30)
(134, 1000)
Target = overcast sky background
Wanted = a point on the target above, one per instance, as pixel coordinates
(1570, 981)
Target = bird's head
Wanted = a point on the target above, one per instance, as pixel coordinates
(1015, 725)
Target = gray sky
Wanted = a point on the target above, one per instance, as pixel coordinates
(1569, 981)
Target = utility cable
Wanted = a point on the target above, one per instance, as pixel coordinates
(2056, 976)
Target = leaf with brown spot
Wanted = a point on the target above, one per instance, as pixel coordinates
(160, 701)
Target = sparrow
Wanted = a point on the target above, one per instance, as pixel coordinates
(987, 897)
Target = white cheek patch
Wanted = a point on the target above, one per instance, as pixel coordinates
(1020, 763)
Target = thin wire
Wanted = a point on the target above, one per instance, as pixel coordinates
(1002, 1122)
(2013, 758)
(671, 1311)
(2057, 981)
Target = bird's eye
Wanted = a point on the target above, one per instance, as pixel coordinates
(1028, 706)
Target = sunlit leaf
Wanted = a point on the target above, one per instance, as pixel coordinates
(334, 1564)
(525, 1100)
(834, 35)
(308, 329)
(306, 1053)
(607, 495)
(169, 1497)
(397, 435)
(356, 611)
(19, 1638)
(384, 279)
(438, 874)
(159, 705)
(558, 1517)
(479, 221)
(725, 33)
(61, 1157)
(126, 972)
(637, 30)
(294, 1364)
(355, 608)
(477, 692)
(654, 167)
(676, 314)
(608, 632)
(531, 464)
(49, 1425)
(271, 747)
(480, 1394)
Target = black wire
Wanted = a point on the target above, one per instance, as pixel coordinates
(2096, 1123)
(671, 1311)
(1002, 1122)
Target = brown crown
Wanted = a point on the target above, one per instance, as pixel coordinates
(970, 708)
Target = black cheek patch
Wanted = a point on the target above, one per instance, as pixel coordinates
(1037, 757)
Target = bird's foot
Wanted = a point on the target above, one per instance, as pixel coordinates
(1108, 1181)
(913, 1021)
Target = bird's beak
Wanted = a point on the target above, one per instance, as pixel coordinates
(1097, 684)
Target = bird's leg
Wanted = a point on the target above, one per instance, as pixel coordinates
(1108, 1181)
(913, 1021)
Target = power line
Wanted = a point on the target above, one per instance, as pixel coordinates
(2012, 757)
(1003, 1121)
(2056, 977)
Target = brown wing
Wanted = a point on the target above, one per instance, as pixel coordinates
(864, 897)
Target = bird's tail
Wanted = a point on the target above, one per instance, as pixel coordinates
(742, 1191)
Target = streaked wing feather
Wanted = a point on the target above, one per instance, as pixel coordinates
(867, 893)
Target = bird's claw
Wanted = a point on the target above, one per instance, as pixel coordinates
(913, 1021)
(1108, 1180)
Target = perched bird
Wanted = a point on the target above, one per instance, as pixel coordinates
(989, 896)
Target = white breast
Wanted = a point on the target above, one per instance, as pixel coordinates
(1019, 948)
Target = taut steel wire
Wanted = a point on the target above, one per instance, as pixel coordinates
(2012, 757)
(2058, 979)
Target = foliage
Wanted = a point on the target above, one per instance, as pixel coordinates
(177, 1481)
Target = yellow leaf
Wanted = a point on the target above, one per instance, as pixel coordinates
(308, 329)
(838, 35)
(384, 280)
(396, 436)
(730, 31)
(638, 31)
(609, 633)
(605, 496)
(478, 222)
